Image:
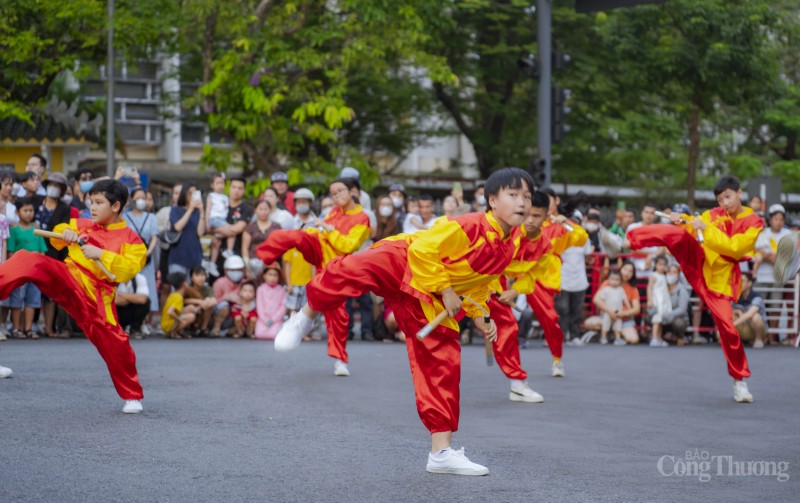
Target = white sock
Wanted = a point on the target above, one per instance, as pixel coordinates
(441, 455)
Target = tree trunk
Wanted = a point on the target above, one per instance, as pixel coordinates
(208, 55)
(694, 155)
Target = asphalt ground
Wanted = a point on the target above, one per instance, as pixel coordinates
(232, 420)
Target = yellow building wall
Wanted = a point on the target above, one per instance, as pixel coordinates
(18, 155)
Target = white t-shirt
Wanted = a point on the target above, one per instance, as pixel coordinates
(283, 218)
(768, 241)
(409, 228)
(573, 268)
(219, 204)
(141, 286)
(11, 214)
(641, 263)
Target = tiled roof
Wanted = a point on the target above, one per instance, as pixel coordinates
(44, 128)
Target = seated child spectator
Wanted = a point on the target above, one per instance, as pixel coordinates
(243, 311)
(175, 318)
(610, 299)
(200, 295)
(133, 304)
(749, 314)
(26, 297)
(270, 303)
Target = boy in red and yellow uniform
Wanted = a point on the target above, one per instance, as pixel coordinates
(342, 232)
(419, 276)
(712, 267)
(82, 289)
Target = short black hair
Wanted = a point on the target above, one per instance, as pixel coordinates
(748, 275)
(176, 279)
(8, 175)
(661, 257)
(25, 201)
(138, 189)
(217, 175)
(113, 190)
(726, 182)
(649, 204)
(248, 282)
(24, 177)
(239, 179)
(197, 269)
(41, 159)
(615, 272)
(183, 194)
(350, 183)
(508, 178)
(412, 199)
(425, 197)
(81, 172)
(540, 199)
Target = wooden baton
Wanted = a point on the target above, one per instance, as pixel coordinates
(427, 329)
(55, 235)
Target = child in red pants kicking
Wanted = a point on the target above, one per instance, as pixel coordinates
(82, 289)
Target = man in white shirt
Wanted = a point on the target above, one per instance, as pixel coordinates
(133, 304)
(424, 220)
(766, 247)
(37, 164)
(644, 265)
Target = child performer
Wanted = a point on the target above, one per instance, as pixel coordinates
(420, 275)
(82, 289)
(711, 267)
(342, 232)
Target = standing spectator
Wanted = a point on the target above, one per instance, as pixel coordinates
(175, 318)
(749, 314)
(574, 283)
(325, 206)
(644, 265)
(281, 217)
(280, 182)
(303, 200)
(162, 221)
(239, 215)
(133, 305)
(81, 185)
(28, 296)
(450, 207)
(757, 205)
(397, 193)
(256, 233)
(226, 290)
(243, 311)
(31, 185)
(676, 321)
(388, 224)
(270, 303)
(217, 208)
(36, 164)
(187, 218)
(363, 198)
(144, 224)
(658, 301)
(50, 212)
(201, 296)
(426, 218)
(461, 207)
(592, 228)
(766, 247)
(7, 207)
(479, 205)
(412, 213)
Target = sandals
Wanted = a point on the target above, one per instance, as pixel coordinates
(18, 334)
(30, 334)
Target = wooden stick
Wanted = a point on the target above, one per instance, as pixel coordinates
(55, 235)
(427, 329)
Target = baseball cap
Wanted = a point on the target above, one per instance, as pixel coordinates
(777, 208)
(349, 172)
(303, 193)
(279, 176)
(398, 187)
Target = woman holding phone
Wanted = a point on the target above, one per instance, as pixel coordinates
(186, 217)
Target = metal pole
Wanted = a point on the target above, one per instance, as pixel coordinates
(544, 21)
(110, 148)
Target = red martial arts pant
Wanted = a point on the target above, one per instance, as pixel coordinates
(55, 280)
(542, 301)
(281, 241)
(435, 360)
(690, 254)
(506, 347)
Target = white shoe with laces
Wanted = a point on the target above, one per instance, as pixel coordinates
(454, 462)
(557, 369)
(521, 392)
(340, 369)
(620, 342)
(5, 372)
(292, 332)
(132, 407)
(758, 345)
(740, 392)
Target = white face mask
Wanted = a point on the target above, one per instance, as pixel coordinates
(672, 279)
(481, 200)
(303, 209)
(235, 276)
(67, 199)
(397, 202)
(591, 227)
(53, 191)
(141, 204)
(385, 211)
(88, 203)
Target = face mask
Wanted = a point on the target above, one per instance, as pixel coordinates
(235, 276)
(672, 279)
(303, 209)
(385, 211)
(53, 191)
(88, 203)
(591, 227)
(67, 199)
(86, 186)
(141, 204)
(397, 202)
(481, 200)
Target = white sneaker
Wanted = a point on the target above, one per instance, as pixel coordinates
(758, 345)
(521, 392)
(657, 343)
(132, 407)
(292, 332)
(740, 392)
(5, 372)
(3, 335)
(454, 463)
(604, 340)
(557, 369)
(227, 253)
(340, 369)
(146, 330)
(787, 259)
(699, 339)
(620, 342)
(576, 342)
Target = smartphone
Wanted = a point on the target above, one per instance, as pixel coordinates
(197, 195)
(457, 187)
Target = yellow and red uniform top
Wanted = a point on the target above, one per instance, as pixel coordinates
(539, 258)
(124, 255)
(467, 253)
(726, 241)
(351, 230)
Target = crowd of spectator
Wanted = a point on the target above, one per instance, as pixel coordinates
(203, 277)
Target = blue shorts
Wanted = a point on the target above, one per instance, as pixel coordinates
(28, 295)
(217, 222)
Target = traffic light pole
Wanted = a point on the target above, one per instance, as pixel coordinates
(544, 21)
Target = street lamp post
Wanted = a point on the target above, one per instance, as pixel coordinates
(110, 148)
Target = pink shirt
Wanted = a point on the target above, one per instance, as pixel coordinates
(271, 307)
(223, 286)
